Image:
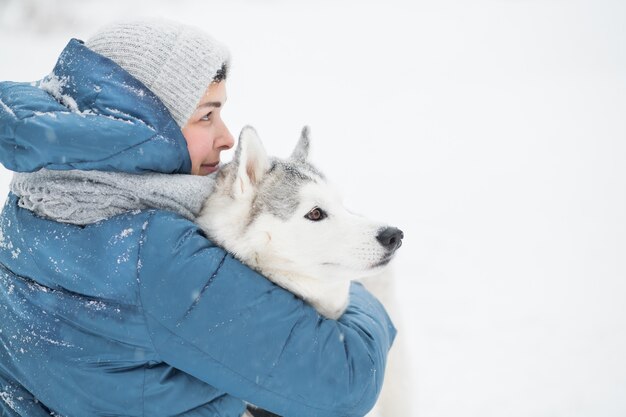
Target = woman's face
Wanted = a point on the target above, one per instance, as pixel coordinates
(205, 131)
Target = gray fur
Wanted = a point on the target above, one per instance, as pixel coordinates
(301, 152)
(279, 192)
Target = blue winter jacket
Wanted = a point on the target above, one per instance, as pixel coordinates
(140, 314)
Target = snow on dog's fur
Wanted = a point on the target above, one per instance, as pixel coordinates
(282, 218)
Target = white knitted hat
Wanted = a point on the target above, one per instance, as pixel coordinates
(176, 62)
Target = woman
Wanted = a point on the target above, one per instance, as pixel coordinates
(112, 301)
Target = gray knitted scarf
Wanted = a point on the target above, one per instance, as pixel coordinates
(83, 197)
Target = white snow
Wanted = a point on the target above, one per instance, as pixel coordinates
(7, 397)
(96, 305)
(491, 132)
(130, 122)
(6, 108)
(3, 243)
(137, 91)
(126, 233)
(121, 235)
(53, 85)
(119, 112)
(49, 114)
(55, 342)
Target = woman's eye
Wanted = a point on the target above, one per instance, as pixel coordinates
(316, 214)
(207, 116)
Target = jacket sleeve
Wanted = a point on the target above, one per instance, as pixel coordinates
(216, 319)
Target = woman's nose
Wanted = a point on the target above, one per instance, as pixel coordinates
(226, 140)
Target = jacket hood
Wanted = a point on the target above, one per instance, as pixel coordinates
(88, 114)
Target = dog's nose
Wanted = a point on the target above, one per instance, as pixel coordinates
(390, 238)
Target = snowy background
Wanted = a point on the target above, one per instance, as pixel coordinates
(493, 132)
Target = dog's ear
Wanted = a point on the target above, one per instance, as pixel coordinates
(251, 161)
(301, 152)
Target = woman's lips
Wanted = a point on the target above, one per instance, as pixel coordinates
(206, 169)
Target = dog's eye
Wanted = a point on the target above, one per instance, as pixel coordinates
(316, 214)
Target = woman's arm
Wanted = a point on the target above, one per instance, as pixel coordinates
(216, 319)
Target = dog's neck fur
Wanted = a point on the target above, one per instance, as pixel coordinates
(329, 298)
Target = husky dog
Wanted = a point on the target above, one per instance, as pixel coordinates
(282, 218)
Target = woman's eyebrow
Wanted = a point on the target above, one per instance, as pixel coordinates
(211, 104)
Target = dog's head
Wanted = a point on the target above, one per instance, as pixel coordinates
(283, 217)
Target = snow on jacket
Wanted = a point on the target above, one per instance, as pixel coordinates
(140, 314)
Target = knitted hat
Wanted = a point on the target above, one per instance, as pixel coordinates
(176, 62)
